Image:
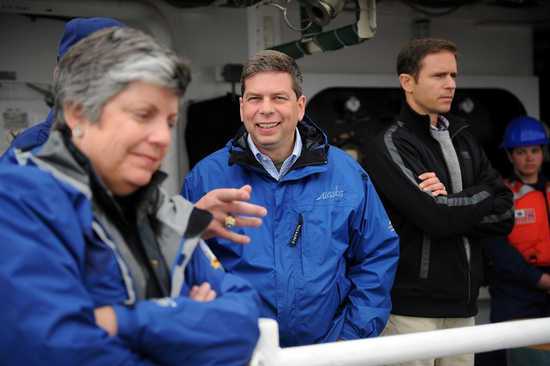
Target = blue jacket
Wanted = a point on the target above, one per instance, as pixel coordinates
(325, 256)
(31, 137)
(61, 257)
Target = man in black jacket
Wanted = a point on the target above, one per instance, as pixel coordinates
(442, 196)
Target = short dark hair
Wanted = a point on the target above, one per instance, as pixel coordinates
(270, 60)
(409, 60)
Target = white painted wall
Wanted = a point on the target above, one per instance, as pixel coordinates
(484, 50)
(29, 46)
(211, 37)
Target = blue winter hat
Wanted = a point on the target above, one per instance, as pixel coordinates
(79, 28)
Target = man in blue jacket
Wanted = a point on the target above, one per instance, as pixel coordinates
(75, 30)
(325, 258)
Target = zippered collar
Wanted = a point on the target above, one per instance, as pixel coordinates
(60, 156)
(314, 148)
(420, 124)
(541, 184)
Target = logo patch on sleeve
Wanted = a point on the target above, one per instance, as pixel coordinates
(525, 216)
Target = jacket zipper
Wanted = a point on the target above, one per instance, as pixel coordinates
(297, 231)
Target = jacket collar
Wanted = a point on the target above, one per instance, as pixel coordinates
(314, 147)
(420, 124)
(542, 181)
(61, 157)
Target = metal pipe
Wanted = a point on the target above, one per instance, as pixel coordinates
(334, 39)
(408, 347)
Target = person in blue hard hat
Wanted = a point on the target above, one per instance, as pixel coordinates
(520, 281)
(75, 30)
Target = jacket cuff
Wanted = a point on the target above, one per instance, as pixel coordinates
(127, 325)
(350, 332)
(198, 222)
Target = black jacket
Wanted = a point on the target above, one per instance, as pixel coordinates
(434, 276)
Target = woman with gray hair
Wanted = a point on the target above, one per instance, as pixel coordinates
(98, 266)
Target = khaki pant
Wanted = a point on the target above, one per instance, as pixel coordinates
(398, 324)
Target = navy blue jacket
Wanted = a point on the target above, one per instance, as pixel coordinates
(324, 259)
(61, 256)
(32, 137)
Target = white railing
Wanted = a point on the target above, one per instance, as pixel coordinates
(393, 349)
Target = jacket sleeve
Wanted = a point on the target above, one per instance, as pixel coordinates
(46, 312)
(175, 331)
(500, 219)
(187, 190)
(509, 265)
(372, 261)
(395, 164)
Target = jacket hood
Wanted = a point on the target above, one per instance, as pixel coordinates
(79, 28)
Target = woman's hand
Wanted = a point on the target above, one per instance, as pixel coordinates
(227, 205)
(202, 293)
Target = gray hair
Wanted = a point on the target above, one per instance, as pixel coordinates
(270, 60)
(103, 64)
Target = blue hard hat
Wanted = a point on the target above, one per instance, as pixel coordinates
(524, 131)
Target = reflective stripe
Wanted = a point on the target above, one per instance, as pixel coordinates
(187, 250)
(491, 219)
(81, 187)
(128, 283)
(463, 201)
(443, 200)
(394, 152)
(210, 255)
(525, 189)
(174, 213)
(425, 258)
(22, 156)
(178, 274)
(467, 248)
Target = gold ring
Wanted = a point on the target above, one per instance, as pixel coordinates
(229, 221)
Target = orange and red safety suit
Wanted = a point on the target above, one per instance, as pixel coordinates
(531, 233)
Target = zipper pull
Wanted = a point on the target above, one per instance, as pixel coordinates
(297, 231)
